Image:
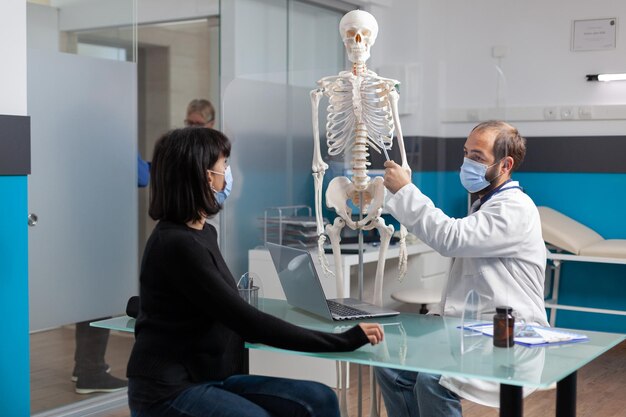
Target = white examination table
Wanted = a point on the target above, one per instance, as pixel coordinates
(568, 240)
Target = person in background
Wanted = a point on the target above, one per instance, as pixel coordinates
(188, 356)
(200, 113)
(91, 372)
(498, 252)
(143, 172)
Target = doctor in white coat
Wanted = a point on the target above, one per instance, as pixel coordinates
(498, 252)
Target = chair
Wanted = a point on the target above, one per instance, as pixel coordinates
(564, 234)
(425, 284)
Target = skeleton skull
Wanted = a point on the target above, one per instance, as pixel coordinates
(358, 30)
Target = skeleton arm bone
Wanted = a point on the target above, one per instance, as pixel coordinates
(318, 165)
(403, 256)
(393, 98)
(319, 168)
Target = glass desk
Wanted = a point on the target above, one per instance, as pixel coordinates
(436, 345)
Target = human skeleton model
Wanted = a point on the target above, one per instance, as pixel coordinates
(362, 113)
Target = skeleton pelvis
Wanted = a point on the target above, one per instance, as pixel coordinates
(341, 189)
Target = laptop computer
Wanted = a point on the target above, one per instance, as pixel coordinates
(303, 289)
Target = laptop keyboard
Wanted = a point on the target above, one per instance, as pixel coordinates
(343, 310)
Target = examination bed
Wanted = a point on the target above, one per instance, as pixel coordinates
(568, 240)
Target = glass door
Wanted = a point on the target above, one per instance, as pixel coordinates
(83, 189)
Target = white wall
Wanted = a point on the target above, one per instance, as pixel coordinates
(452, 42)
(13, 53)
(408, 35)
(43, 27)
(90, 14)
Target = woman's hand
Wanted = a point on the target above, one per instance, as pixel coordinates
(373, 331)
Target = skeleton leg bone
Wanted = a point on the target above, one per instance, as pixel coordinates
(385, 237)
(334, 233)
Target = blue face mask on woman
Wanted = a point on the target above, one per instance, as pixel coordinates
(221, 196)
(473, 175)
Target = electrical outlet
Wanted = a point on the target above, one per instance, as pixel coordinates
(499, 51)
(567, 113)
(549, 113)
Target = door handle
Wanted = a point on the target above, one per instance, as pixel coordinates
(32, 219)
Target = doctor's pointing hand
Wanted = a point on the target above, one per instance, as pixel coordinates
(395, 177)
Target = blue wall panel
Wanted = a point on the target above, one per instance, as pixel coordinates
(596, 200)
(445, 189)
(14, 349)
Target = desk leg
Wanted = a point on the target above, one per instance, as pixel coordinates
(511, 401)
(566, 396)
(342, 387)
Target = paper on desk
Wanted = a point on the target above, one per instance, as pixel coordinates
(533, 335)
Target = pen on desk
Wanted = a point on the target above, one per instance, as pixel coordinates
(243, 281)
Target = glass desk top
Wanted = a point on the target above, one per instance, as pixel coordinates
(436, 345)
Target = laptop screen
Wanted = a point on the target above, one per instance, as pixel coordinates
(299, 279)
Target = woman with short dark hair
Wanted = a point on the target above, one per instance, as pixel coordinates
(189, 349)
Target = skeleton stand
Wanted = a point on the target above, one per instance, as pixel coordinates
(360, 283)
(373, 391)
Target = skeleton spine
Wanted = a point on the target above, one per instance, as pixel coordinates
(359, 158)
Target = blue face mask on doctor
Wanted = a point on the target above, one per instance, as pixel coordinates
(221, 196)
(473, 175)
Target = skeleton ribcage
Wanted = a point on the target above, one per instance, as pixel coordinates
(351, 104)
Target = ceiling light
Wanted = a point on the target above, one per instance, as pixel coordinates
(606, 77)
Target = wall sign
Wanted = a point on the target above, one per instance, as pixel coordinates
(594, 34)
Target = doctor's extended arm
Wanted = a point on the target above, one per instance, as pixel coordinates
(495, 230)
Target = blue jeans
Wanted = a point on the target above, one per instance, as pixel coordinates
(416, 394)
(250, 396)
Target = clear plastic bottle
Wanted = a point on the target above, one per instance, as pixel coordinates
(503, 327)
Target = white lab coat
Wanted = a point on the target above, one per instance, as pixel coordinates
(498, 251)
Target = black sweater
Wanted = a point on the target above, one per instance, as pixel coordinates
(192, 323)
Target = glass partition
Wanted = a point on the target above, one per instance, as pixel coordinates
(272, 54)
(83, 189)
(177, 62)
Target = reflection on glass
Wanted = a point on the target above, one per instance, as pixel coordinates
(472, 309)
(273, 52)
(396, 336)
(99, 29)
